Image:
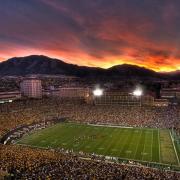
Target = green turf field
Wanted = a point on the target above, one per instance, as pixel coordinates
(153, 145)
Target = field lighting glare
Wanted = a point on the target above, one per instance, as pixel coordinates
(137, 92)
(98, 92)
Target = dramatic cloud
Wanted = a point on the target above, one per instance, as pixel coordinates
(94, 32)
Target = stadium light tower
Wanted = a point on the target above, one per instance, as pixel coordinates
(98, 92)
(138, 92)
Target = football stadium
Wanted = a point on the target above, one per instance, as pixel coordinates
(109, 135)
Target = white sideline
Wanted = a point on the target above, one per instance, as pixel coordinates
(32, 146)
(174, 147)
(104, 125)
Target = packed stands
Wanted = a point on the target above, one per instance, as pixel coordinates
(27, 163)
(27, 112)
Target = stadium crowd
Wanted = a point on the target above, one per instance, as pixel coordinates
(28, 163)
(27, 112)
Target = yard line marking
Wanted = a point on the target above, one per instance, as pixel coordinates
(142, 153)
(124, 142)
(137, 145)
(159, 146)
(119, 141)
(174, 147)
(152, 142)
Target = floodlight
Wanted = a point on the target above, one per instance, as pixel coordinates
(137, 92)
(98, 92)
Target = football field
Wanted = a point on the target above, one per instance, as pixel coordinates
(142, 144)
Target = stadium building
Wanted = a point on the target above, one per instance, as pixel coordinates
(122, 98)
(115, 97)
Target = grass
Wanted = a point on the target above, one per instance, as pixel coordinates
(142, 144)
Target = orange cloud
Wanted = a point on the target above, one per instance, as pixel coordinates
(94, 33)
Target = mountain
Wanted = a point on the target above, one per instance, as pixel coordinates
(131, 71)
(43, 65)
(36, 64)
(173, 75)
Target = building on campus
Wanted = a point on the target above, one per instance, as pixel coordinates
(161, 102)
(31, 87)
(170, 93)
(67, 92)
(9, 96)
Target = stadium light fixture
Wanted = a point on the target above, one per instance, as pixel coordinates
(138, 92)
(98, 92)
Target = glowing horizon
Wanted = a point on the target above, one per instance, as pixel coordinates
(103, 65)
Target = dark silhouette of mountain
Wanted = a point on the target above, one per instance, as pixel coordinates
(131, 70)
(172, 75)
(36, 64)
(43, 65)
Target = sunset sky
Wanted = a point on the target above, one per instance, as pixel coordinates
(93, 32)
